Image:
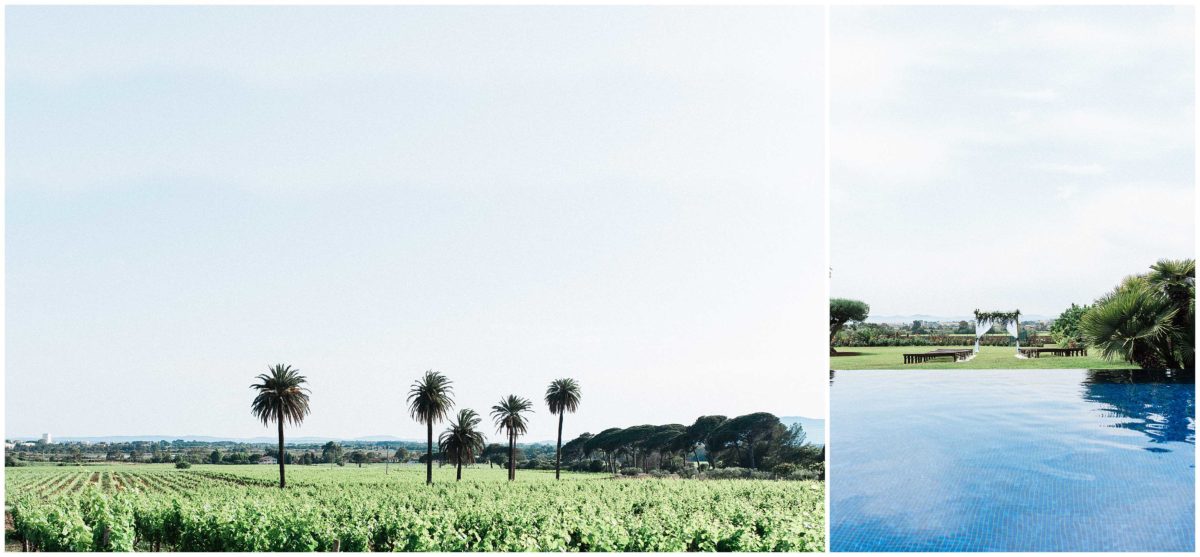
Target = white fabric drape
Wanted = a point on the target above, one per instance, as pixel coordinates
(1014, 332)
(982, 326)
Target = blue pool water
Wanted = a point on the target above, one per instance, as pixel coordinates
(1007, 460)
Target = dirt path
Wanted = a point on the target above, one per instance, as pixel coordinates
(11, 545)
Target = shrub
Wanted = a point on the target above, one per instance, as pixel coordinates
(730, 473)
(596, 466)
(882, 335)
(183, 465)
(783, 470)
(660, 474)
(800, 475)
(631, 471)
(737, 473)
(687, 472)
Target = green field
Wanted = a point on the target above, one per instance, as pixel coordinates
(989, 357)
(241, 508)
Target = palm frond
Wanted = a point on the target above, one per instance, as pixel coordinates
(563, 395)
(462, 443)
(430, 398)
(508, 415)
(281, 396)
(1130, 323)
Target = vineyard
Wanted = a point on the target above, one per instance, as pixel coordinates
(241, 508)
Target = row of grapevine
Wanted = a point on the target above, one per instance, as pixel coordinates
(219, 511)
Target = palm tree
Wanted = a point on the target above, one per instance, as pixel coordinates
(1134, 323)
(428, 402)
(562, 396)
(281, 397)
(462, 442)
(1175, 280)
(508, 417)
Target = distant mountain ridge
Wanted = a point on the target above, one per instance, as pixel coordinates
(814, 428)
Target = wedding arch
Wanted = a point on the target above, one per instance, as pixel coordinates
(1010, 320)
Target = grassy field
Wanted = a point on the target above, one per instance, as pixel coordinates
(989, 357)
(240, 508)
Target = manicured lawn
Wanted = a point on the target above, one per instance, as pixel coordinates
(989, 357)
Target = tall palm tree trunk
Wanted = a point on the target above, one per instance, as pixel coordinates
(458, 475)
(558, 451)
(429, 454)
(282, 483)
(512, 456)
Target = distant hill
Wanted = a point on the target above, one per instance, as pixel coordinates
(814, 428)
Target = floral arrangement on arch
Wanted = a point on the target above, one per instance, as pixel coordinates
(1001, 318)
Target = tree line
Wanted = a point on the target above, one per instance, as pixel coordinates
(757, 441)
(282, 397)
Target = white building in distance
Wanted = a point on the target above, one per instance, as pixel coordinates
(47, 439)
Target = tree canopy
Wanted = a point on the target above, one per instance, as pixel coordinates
(1065, 329)
(331, 452)
(843, 311)
(758, 440)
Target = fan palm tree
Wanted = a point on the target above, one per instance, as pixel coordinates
(281, 397)
(428, 402)
(1176, 281)
(462, 442)
(562, 396)
(509, 418)
(1134, 323)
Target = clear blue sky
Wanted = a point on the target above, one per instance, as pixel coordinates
(629, 196)
(1007, 158)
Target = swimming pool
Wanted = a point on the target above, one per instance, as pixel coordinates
(1007, 460)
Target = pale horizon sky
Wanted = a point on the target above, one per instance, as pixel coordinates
(1007, 158)
(631, 197)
